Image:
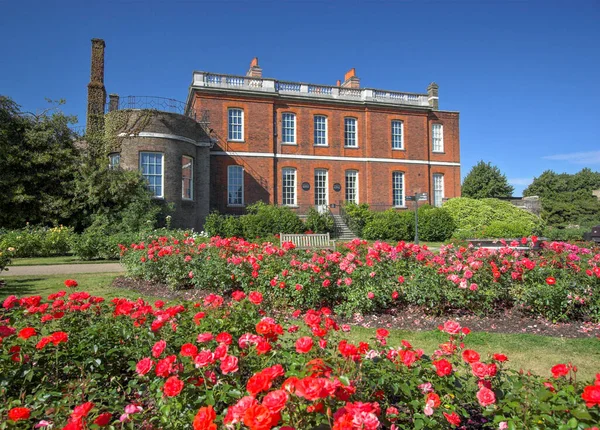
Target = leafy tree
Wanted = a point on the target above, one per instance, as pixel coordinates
(567, 199)
(486, 181)
(38, 166)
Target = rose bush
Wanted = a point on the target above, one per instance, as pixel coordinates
(75, 361)
(364, 278)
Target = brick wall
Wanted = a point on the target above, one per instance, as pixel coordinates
(263, 135)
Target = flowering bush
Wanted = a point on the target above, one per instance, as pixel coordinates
(5, 258)
(75, 361)
(363, 278)
(38, 241)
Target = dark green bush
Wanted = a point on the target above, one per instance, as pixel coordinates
(319, 222)
(100, 243)
(390, 225)
(356, 217)
(435, 224)
(213, 225)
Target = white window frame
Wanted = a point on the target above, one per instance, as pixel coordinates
(231, 134)
(438, 202)
(347, 174)
(291, 191)
(350, 140)
(114, 160)
(395, 175)
(395, 144)
(288, 123)
(231, 169)
(315, 130)
(324, 188)
(437, 138)
(191, 178)
(162, 172)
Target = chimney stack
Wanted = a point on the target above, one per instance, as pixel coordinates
(96, 90)
(254, 71)
(432, 95)
(113, 102)
(351, 80)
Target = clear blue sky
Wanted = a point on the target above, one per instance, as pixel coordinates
(523, 74)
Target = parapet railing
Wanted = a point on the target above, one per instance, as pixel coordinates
(162, 104)
(247, 83)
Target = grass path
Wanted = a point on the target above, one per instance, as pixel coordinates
(529, 352)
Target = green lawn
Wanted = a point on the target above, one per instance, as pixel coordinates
(97, 284)
(524, 351)
(529, 352)
(46, 261)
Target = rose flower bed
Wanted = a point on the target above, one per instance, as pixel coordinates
(561, 282)
(75, 361)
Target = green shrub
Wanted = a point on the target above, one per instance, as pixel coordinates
(390, 225)
(319, 222)
(565, 234)
(38, 241)
(435, 224)
(356, 217)
(100, 243)
(491, 218)
(213, 225)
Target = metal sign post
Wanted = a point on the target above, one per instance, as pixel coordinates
(416, 198)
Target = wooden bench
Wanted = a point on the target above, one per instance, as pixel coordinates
(309, 241)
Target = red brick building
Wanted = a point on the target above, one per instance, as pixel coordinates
(302, 145)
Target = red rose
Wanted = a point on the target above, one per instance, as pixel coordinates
(395, 295)
(204, 419)
(165, 366)
(188, 350)
(486, 397)
(71, 283)
(304, 345)
(229, 364)
(158, 348)
(173, 386)
(451, 327)
(27, 332)
(259, 417)
(500, 357)
(259, 382)
(144, 366)
(550, 280)
(434, 399)
(470, 356)
(59, 337)
(81, 411)
(255, 297)
(560, 370)
(443, 367)
(381, 332)
(591, 395)
(452, 418)
(238, 296)
(18, 414)
(204, 358)
(103, 419)
(204, 337)
(275, 400)
(479, 369)
(225, 338)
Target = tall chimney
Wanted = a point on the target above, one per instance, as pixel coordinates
(432, 95)
(351, 80)
(96, 90)
(254, 71)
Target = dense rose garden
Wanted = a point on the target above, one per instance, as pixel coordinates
(75, 361)
(560, 282)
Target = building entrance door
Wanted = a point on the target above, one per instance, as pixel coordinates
(321, 191)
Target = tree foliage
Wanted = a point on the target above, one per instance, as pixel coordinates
(567, 199)
(38, 166)
(46, 179)
(486, 181)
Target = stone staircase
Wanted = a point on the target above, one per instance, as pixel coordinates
(344, 233)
